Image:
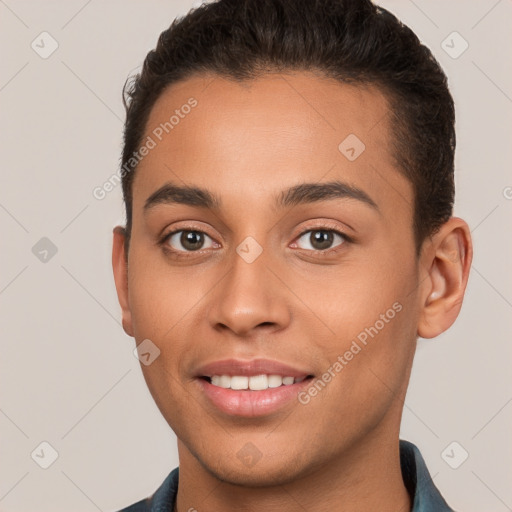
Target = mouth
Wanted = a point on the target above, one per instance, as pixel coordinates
(251, 388)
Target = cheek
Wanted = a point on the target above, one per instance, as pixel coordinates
(160, 297)
(372, 319)
(164, 303)
(161, 302)
(359, 296)
(367, 371)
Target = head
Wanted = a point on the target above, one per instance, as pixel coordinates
(324, 132)
(352, 41)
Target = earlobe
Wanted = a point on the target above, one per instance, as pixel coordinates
(448, 260)
(120, 268)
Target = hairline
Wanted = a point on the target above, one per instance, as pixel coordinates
(371, 82)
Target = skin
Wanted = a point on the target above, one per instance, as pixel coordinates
(246, 143)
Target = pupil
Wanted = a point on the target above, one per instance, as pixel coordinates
(191, 240)
(321, 239)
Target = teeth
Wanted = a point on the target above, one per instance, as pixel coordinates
(258, 382)
(239, 382)
(274, 381)
(254, 383)
(224, 381)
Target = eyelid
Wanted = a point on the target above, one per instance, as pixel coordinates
(168, 238)
(317, 225)
(166, 235)
(323, 251)
(325, 225)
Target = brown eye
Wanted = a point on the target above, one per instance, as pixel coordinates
(189, 240)
(321, 239)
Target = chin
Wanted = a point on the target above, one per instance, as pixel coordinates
(262, 476)
(248, 467)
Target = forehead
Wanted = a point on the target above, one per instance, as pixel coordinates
(258, 136)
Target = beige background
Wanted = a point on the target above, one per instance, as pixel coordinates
(68, 375)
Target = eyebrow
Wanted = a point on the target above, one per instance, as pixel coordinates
(313, 192)
(189, 195)
(303, 193)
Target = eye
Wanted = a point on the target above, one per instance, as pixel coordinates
(321, 239)
(188, 240)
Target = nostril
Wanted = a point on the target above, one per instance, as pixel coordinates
(265, 324)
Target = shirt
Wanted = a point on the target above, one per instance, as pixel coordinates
(417, 480)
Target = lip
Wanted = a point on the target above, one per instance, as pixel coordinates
(251, 404)
(250, 368)
(248, 403)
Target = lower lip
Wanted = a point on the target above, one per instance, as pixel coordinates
(251, 404)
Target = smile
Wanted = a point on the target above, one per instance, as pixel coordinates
(251, 388)
(253, 383)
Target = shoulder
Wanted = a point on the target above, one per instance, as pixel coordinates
(426, 497)
(162, 499)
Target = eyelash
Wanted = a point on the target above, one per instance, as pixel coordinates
(319, 253)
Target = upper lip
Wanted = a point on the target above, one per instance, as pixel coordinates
(253, 367)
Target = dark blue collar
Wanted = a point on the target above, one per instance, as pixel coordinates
(425, 496)
(417, 480)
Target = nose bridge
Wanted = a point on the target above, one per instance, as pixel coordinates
(248, 296)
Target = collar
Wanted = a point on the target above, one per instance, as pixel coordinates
(417, 480)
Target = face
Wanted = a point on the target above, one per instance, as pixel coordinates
(290, 253)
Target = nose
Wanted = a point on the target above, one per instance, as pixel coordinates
(250, 297)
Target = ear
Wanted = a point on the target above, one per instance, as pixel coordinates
(120, 267)
(447, 257)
